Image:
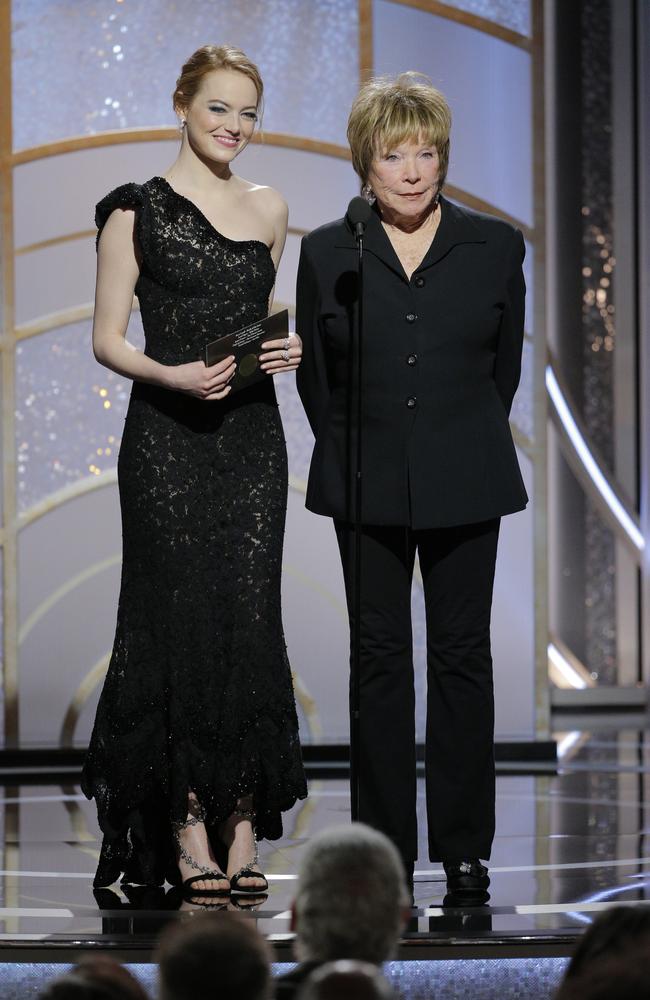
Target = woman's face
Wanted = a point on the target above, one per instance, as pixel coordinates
(222, 116)
(404, 180)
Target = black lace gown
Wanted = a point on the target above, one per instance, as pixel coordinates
(198, 693)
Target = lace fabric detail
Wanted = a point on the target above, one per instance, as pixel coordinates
(198, 694)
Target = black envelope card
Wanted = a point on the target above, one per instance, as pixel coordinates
(246, 346)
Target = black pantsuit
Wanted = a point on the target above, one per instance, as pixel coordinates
(457, 566)
(442, 359)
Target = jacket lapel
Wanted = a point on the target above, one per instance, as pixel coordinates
(375, 240)
(456, 227)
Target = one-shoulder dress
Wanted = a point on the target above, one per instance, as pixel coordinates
(198, 694)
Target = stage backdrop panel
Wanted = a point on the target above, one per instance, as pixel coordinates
(102, 68)
(106, 65)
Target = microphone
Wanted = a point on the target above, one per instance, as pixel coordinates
(358, 215)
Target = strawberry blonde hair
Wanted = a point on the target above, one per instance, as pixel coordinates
(205, 60)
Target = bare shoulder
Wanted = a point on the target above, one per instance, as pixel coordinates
(268, 201)
(121, 218)
(119, 229)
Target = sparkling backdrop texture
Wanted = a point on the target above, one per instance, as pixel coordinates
(513, 14)
(69, 411)
(598, 328)
(128, 54)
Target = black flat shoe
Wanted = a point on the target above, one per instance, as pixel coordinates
(467, 883)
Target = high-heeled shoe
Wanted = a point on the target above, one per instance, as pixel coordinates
(205, 874)
(248, 870)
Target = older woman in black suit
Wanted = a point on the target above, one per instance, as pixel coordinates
(443, 330)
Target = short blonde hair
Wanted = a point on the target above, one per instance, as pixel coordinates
(204, 61)
(390, 110)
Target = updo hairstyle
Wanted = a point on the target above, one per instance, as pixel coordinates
(205, 60)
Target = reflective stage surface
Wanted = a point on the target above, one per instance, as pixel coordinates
(568, 845)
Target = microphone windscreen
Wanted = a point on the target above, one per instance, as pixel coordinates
(359, 212)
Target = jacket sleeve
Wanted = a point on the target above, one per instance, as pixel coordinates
(311, 376)
(507, 367)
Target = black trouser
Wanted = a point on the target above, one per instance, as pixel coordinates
(457, 566)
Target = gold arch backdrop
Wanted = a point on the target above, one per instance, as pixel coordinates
(109, 68)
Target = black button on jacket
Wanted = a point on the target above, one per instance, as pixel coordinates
(450, 459)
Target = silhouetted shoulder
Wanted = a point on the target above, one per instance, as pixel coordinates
(328, 235)
(491, 227)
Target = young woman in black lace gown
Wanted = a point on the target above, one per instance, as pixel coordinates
(195, 745)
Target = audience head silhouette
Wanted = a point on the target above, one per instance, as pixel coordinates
(346, 980)
(624, 976)
(99, 978)
(351, 900)
(612, 959)
(214, 955)
(620, 929)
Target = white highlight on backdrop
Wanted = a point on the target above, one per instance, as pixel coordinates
(568, 672)
(589, 462)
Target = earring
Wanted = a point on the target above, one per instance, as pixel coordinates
(368, 194)
(183, 123)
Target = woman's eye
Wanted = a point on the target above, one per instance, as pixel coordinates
(218, 109)
(391, 157)
(250, 115)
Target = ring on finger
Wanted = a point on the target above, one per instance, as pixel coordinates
(286, 344)
(285, 356)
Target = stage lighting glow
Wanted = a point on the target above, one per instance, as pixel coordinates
(568, 672)
(606, 894)
(567, 743)
(589, 462)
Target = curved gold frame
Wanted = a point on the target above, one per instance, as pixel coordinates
(66, 588)
(86, 234)
(86, 686)
(469, 20)
(74, 314)
(97, 672)
(162, 133)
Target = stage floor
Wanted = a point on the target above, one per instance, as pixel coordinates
(569, 844)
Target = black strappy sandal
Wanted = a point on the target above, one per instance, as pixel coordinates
(248, 870)
(204, 873)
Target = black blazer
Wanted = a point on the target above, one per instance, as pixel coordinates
(441, 363)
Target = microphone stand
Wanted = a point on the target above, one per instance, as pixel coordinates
(355, 659)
